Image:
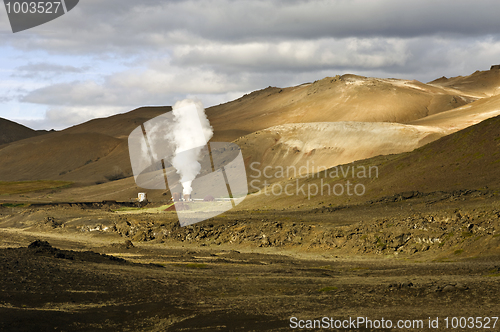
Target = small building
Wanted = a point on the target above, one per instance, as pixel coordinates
(142, 197)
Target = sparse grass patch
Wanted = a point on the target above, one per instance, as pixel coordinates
(327, 289)
(13, 205)
(196, 266)
(443, 260)
(445, 238)
(493, 273)
(193, 266)
(458, 251)
(126, 208)
(326, 267)
(359, 268)
(401, 166)
(20, 187)
(380, 243)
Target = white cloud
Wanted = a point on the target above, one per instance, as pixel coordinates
(137, 87)
(62, 117)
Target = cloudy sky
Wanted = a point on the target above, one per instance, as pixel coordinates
(110, 56)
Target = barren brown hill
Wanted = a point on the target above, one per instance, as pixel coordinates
(340, 98)
(54, 155)
(306, 147)
(465, 160)
(332, 99)
(463, 116)
(479, 84)
(93, 152)
(312, 145)
(11, 131)
(97, 151)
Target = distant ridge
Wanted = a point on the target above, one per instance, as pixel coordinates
(90, 153)
(479, 84)
(332, 99)
(11, 131)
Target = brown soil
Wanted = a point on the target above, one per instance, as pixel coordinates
(411, 257)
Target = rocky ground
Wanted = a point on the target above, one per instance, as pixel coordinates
(82, 267)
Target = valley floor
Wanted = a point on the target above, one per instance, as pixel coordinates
(106, 268)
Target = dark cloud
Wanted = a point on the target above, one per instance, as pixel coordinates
(132, 26)
(217, 50)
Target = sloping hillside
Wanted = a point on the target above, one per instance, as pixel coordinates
(306, 147)
(462, 117)
(480, 84)
(93, 152)
(53, 156)
(11, 132)
(468, 159)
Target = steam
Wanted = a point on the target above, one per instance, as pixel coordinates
(191, 132)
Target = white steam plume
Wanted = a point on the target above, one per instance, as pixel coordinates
(190, 134)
